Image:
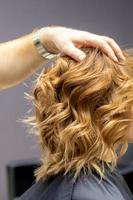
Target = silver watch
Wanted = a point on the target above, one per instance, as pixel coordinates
(40, 48)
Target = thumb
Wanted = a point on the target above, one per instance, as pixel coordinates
(72, 51)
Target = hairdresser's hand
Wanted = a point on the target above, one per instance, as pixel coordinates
(68, 41)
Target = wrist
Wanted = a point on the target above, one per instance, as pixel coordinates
(47, 38)
(40, 47)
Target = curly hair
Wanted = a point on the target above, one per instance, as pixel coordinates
(82, 113)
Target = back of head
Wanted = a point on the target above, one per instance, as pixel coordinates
(82, 112)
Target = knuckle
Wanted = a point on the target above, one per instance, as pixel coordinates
(111, 39)
(64, 46)
(119, 52)
(102, 43)
(108, 38)
(104, 37)
(87, 36)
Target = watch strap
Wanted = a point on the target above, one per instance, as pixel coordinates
(40, 47)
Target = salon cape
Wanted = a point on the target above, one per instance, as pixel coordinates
(86, 187)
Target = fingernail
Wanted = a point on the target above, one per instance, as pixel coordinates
(115, 59)
(123, 58)
(81, 57)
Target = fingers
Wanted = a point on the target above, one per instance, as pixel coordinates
(115, 47)
(106, 44)
(72, 51)
(106, 48)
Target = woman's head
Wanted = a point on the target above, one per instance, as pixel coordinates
(83, 112)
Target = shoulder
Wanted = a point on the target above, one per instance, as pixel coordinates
(41, 189)
(86, 187)
(90, 187)
(57, 188)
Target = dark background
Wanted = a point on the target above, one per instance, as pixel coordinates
(112, 18)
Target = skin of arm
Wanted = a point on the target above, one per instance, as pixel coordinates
(19, 57)
(18, 60)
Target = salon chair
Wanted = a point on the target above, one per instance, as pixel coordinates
(125, 167)
(20, 176)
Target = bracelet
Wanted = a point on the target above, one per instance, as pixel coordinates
(40, 48)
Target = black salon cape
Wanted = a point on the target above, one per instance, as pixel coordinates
(86, 187)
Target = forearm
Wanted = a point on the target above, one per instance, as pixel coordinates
(18, 59)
